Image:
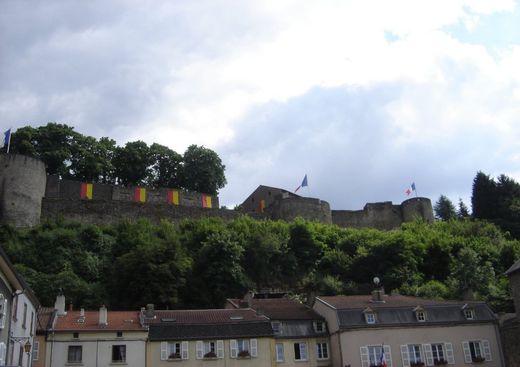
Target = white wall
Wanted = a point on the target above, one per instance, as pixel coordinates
(19, 328)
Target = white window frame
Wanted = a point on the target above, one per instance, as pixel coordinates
(280, 354)
(421, 316)
(35, 350)
(302, 351)
(375, 350)
(432, 355)
(204, 347)
(370, 318)
(484, 350)
(124, 359)
(320, 326)
(3, 351)
(277, 327)
(319, 350)
(3, 310)
(469, 314)
(169, 348)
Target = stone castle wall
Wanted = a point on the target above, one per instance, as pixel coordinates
(306, 208)
(22, 186)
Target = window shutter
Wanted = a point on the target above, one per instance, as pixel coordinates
(2, 353)
(254, 347)
(388, 355)
(449, 353)
(164, 351)
(467, 352)
(428, 355)
(36, 350)
(365, 362)
(233, 349)
(487, 350)
(405, 356)
(4, 311)
(220, 348)
(200, 349)
(184, 350)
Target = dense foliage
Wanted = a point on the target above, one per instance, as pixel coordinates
(198, 263)
(72, 155)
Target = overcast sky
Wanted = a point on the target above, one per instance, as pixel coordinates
(365, 97)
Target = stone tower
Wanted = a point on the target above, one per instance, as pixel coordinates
(22, 187)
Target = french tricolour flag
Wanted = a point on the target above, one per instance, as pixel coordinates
(382, 359)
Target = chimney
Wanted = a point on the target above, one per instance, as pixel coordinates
(249, 298)
(70, 306)
(59, 305)
(311, 298)
(150, 312)
(103, 315)
(82, 312)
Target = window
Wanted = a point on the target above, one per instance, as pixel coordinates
(75, 335)
(319, 326)
(119, 334)
(210, 349)
(20, 355)
(174, 350)
(36, 350)
(119, 353)
(15, 308)
(279, 352)
(32, 323)
(476, 351)
(3, 310)
(75, 354)
(322, 350)
(371, 355)
(370, 318)
(277, 327)
(24, 320)
(3, 351)
(438, 353)
(421, 316)
(300, 351)
(468, 314)
(243, 348)
(411, 354)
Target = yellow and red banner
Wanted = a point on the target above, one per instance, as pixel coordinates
(173, 197)
(86, 191)
(261, 206)
(206, 201)
(139, 195)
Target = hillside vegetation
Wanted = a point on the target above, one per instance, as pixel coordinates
(199, 263)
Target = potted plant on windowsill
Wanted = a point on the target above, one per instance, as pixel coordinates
(174, 356)
(440, 362)
(244, 354)
(210, 355)
(478, 359)
(417, 364)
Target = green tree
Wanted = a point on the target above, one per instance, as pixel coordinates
(165, 168)
(444, 209)
(203, 170)
(132, 163)
(462, 210)
(484, 197)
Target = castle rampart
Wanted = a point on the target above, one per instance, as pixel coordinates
(307, 208)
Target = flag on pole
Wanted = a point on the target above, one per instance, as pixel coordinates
(382, 359)
(410, 189)
(304, 183)
(7, 140)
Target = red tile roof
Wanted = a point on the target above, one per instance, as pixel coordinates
(363, 301)
(217, 316)
(43, 318)
(117, 321)
(280, 308)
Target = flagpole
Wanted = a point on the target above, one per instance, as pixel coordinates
(9, 141)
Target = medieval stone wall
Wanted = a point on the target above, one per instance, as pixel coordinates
(306, 208)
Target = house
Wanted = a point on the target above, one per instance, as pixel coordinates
(263, 197)
(510, 328)
(409, 331)
(208, 338)
(44, 319)
(17, 316)
(300, 334)
(95, 338)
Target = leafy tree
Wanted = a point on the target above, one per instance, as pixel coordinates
(91, 160)
(462, 210)
(444, 209)
(484, 197)
(203, 170)
(132, 163)
(165, 169)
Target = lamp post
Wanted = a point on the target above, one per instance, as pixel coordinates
(27, 348)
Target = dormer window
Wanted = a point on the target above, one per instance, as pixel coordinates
(420, 314)
(469, 314)
(370, 318)
(319, 326)
(276, 327)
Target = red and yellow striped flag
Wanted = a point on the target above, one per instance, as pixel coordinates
(173, 197)
(86, 191)
(206, 201)
(139, 195)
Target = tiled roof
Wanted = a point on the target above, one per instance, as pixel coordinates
(281, 308)
(364, 301)
(117, 321)
(514, 268)
(44, 319)
(217, 316)
(173, 331)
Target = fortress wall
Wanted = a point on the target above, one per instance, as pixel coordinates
(22, 186)
(383, 215)
(70, 190)
(104, 212)
(307, 208)
(417, 208)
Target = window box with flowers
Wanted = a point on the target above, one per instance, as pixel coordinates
(478, 359)
(175, 356)
(440, 362)
(416, 364)
(210, 355)
(244, 354)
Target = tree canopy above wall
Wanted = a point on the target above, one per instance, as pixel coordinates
(70, 154)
